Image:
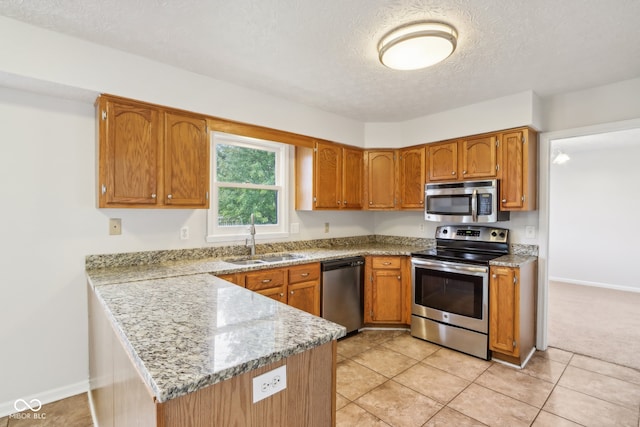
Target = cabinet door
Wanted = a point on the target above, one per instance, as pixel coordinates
(443, 161)
(328, 163)
(352, 177)
(277, 293)
(381, 179)
(504, 302)
(387, 296)
(186, 161)
(129, 155)
(412, 178)
(519, 164)
(478, 157)
(305, 296)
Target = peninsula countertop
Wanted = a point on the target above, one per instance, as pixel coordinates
(188, 332)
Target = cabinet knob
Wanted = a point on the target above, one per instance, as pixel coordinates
(281, 294)
(399, 277)
(370, 203)
(291, 292)
(266, 280)
(386, 263)
(453, 172)
(464, 172)
(153, 196)
(169, 196)
(494, 276)
(504, 200)
(344, 203)
(304, 274)
(338, 201)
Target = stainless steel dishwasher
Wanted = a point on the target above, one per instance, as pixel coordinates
(342, 292)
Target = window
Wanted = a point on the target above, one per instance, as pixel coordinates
(249, 176)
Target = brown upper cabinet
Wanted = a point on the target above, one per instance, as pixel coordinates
(518, 171)
(469, 158)
(443, 161)
(150, 156)
(412, 177)
(479, 157)
(381, 175)
(329, 176)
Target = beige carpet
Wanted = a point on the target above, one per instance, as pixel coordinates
(597, 322)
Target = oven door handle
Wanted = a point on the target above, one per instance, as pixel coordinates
(474, 206)
(446, 266)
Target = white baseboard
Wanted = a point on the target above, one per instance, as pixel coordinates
(594, 284)
(8, 408)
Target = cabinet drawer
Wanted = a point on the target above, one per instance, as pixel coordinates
(304, 273)
(264, 279)
(385, 262)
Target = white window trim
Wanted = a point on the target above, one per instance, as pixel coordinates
(231, 234)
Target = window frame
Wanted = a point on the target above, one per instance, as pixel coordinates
(216, 233)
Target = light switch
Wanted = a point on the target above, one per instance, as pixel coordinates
(530, 232)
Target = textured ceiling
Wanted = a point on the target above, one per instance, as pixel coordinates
(323, 53)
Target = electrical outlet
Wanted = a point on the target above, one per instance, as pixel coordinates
(326, 227)
(269, 383)
(115, 226)
(530, 232)
(184, 233)
(421, 226)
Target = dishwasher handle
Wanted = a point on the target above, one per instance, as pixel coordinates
(337, 264)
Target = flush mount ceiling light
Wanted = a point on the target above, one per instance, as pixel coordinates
(417, 45)
(560, 158)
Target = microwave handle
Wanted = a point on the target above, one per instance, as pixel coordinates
(474, 206)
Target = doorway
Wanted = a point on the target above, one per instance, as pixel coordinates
(585, 205)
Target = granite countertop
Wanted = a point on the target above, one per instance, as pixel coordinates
(513, 260)
(186, 329)
(221, 265)
(185, 333)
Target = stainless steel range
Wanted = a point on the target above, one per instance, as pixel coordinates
(450, 287)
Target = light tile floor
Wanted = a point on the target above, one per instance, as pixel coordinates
(388, 378)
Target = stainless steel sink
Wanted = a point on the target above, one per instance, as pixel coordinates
(247, 261)
(264, 259)
(278, 258)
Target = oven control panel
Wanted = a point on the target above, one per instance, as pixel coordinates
(472, 233)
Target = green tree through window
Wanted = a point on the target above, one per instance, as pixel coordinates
(246, 177)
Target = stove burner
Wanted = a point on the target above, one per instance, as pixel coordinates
(467, 244)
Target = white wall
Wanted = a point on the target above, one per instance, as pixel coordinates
(47, 166)
(594, 206)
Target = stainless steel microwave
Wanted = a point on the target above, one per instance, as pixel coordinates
(462, 202)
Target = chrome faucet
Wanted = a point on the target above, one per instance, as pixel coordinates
(252, 231)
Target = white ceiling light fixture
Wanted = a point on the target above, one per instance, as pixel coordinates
(560, 158)
(417, 45)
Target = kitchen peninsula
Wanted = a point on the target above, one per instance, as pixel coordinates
(183, 351)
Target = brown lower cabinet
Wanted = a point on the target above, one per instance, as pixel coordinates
(121, 398)
(298, 286)
(512, 320)
(387, 290)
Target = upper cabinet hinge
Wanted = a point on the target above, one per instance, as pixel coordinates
(515, 280)
(524, 140)
(104, 115)
(497, 143)
(497, 167)
(523, 198)
(515, 344)
(206, 195)
(103, 189)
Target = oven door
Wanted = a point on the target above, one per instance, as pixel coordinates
(452, 293)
